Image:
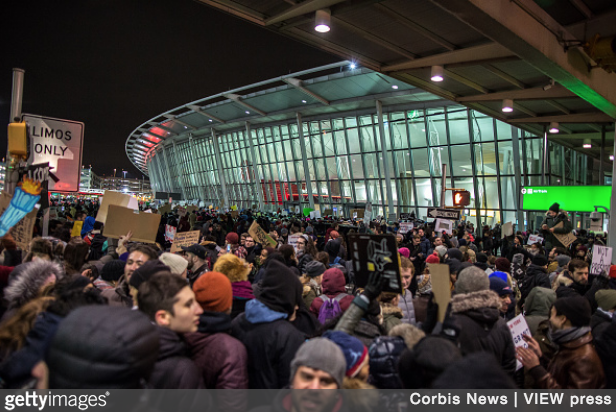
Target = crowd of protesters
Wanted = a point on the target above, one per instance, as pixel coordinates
(230, 313)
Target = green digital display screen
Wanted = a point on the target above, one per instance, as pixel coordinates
(570, 198)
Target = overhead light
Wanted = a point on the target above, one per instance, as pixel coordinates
(303, 101)
(395, 87)
(353, 66)
(211, 120)
(507, 105)
(436, 74)
(587, 144)
(322, 20)
(612, 158)
(554, 128)
(247, 112)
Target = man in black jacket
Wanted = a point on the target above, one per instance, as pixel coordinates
(536, 275)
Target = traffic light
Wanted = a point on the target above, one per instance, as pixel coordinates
(461, 198)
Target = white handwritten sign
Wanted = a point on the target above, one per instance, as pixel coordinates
(518, 328)
(405, 227)
(534, 239)
(601, 259)
(444, 225)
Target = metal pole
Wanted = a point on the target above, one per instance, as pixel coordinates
(221, 173)
(602, 156)
(255, 169)
(443, 183)
(544, 161)
(390, 196)
(11, 176)
(611, 238)
(515, 146)
(302, 145)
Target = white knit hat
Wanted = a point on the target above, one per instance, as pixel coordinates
(176, 263)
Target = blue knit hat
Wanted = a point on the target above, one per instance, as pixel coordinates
(355, 352)
(500, 275)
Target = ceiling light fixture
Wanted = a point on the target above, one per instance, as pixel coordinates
(554, 128)
(612, 158)
(436, 73)
(322, 20)
(507, 106)
(587, 144)
(395, 87)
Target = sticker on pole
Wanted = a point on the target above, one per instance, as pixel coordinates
(60, 143)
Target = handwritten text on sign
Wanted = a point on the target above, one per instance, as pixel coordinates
(518, 328)
(601, 259)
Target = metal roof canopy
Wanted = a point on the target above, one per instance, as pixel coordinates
(525, 50)
(335, 88)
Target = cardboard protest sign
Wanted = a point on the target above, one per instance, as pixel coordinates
(566, 239)
(405, 227)
(259, 235)
(358, 213)
(328, 212)
(166, 208)
(443, 225)
(77, 226)
(372, 253)
(117, 199)
(190, 209)
(121, 220)
(532, 239)
(507, 230)
(184, 239)
(441, 287)
(316, 214)
(170, 232)
(235, 214)
(181, 211)
(518, 328)
(601, 259)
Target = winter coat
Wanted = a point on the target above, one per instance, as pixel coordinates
(535, 276)
(271, 342)
(173, 368)
(575, 366)
(282, 402)
(310, 291)
(599, 322)
(564, 281)
(196, 274)
(537, 307)
(303, 261)
(477, 316)
(407, 307)
(384, 354)
(605, 349)
(392, 316)
(222, 359)
(333, 285)
(120, 296)
(550, 240)
(26, 281)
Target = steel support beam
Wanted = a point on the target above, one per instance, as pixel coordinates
(298, 84)
(536, 93)
(308, 6)
(302, 145)
(221, 173)
(596, 117)
(238, 99)
(255, 169)
(173, 118)
(386, 166)
(198, 110)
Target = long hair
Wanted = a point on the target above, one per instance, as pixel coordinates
(75, 255)
(13, 331)
(39, 247)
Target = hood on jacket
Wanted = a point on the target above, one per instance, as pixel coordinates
(258, 312)
(333, 282)
(281, 289)
(88, 225)
(27, 280)
(214, 322)
(533, 270)
(409, 333)
(539, 302)
(475, 300)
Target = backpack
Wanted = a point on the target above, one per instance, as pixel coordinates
(330, 308)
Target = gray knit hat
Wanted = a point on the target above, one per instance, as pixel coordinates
(314, 268)
(321, 354)
(442, 250)
(472, 279)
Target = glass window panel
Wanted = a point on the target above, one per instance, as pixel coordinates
(308, 147)
(338, 124)
(424, 192)
(399, 135)
(374, 189)
(353, 136)
(505, 158)
(488, 192)
(406, 192)
(403, 163)
(458, 126)
(370, 161)
(366, 120)
(331, 168)
(483, 127)
(342, 163)
(328, 144)
(286, 146)
(291, 171)
(534, 154)
(319, 165)
(350, 122)
(276, 156)
(417, 129)
(356, 164)
(508, 192)
(503, 130)
(367, 139)
(317, 149)
(439, 156)
(360, 191)
(340, 141)
(420, 163)
(485, 159)
(345, 186)
(437, 127)
(297, 150)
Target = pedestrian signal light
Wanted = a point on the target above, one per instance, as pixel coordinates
(461, 198)
(18, 139)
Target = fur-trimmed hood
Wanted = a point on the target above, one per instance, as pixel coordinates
(389, 309)
(28, 279)
(475, 300)
(409, 333)
(233, 267)
(562, 280)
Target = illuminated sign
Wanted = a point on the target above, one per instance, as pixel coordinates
(570, 198)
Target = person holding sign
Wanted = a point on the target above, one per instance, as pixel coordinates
(553, 217)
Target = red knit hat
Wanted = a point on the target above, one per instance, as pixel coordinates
(232, 238)
(213, 292)
(613, 271)
(433, 258)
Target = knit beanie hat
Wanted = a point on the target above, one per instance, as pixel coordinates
(281, 289)
(563, 260)
(144, 272)
(176, 263)
(314, 268)
(472, 279)
(613, 271)
(500, 286)
(433, 258)
(476, 371)
(113, 270)
(575, 308)
(213, 292)
(354, 351)
(232, 238)
(501, 275)
(462, 242)
(502, 264)
(454, 253)
(419, 367)
(321, 354)
(539, 260)
(606, 299)
(404, 251)
(555, 208)
(482, 258)
(454, 265)
(441, 250)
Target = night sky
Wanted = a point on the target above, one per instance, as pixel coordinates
(114, 64)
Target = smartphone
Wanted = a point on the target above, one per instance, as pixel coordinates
(228, 248)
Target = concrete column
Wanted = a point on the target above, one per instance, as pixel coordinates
(302, 145)
(221, 175)
(611, 239)
(386, 166)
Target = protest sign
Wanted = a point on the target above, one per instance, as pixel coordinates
(121, 220)
(235, 214)
(328, 212)
(518, 328)
(358, 213)
(190, 209)
(292, 240)
(405, 227)
(166, 208)
(534, 239)
(441, 287)
(170, 232)
(117, 199)
(22, 231)
(316, 214)
(184, 239)
(77, 226)
(443, 225)
(566, 239)
(367, 216)
(181, 211)
(601, 259)
(507, 230)
(379, 253)
(259, 235)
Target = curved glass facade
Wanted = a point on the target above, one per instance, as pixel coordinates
(340, 161)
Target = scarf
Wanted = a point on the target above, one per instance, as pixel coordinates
(242, 290)
(567, 335)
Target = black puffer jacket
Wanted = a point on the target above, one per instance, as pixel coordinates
(477, 317)
(535, 276)
(384, 354)
(173, 368)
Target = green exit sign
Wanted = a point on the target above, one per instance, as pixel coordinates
(570, 198)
